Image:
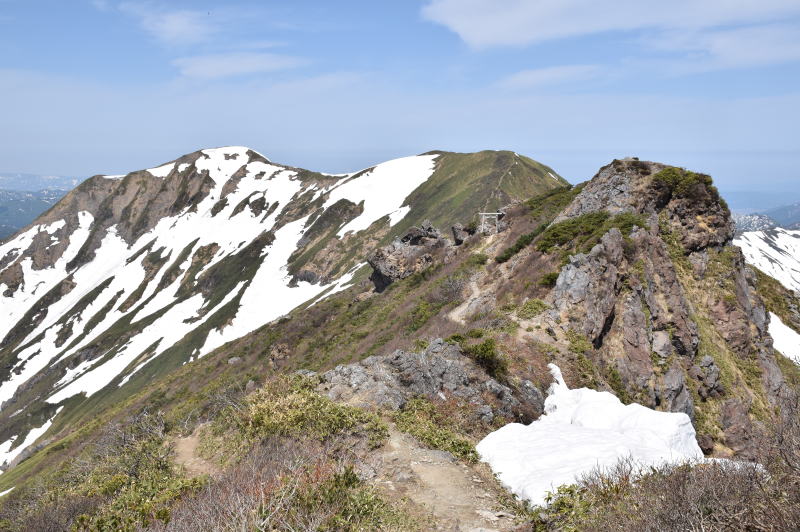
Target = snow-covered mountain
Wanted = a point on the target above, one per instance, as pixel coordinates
(776, 252)
(753, 222)
(129, 276)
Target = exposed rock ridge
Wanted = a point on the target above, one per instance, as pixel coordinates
(659, 304)
(440, 372)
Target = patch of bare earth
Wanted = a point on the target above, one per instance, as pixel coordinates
(188, 456)
(460, 497)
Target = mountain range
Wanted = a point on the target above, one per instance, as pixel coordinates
(20, 208)
(193, 287)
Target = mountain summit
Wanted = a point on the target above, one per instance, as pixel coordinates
(129, 276)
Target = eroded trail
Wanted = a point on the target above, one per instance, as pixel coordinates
(460, 496)
(187, 455)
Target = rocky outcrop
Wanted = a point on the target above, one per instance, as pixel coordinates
(410, 254)
(440, 372)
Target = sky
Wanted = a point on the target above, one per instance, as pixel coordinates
(110, 86)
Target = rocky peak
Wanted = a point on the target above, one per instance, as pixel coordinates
(407, 255)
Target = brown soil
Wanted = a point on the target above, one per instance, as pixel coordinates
(459, 496)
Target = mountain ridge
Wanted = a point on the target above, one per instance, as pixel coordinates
(163, 265)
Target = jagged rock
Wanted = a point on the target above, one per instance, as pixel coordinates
(278, 354)
(675, 395)
(459, 234)
(586, 289)
(708, 374)
(406, 256)
(662, 345)
(234, 360)
(439, 372)
(741, 436)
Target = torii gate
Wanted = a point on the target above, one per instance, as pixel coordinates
(487, 218)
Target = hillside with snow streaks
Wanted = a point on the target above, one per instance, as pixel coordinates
(57, 316)
(776, 252)
(129, 277)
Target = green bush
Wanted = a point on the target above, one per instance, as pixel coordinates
(521, 243)
(583, 232)
(687, 184)
(578, 343)
(532, 308)
(549, 279)
(422, 312)
(485, 354)
(475, 333)
(290, 405)
(420, 418)
(477, 259)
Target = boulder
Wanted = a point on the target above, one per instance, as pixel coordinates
(440, 372)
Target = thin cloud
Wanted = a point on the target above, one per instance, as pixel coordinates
(226, 65)
(488, 23)
(540, 77)
(184, 27)
(752, 46)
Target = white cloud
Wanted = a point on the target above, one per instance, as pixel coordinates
(486, 23)
(528, 79)
(732, 48)
(224, 65)
(182, 27)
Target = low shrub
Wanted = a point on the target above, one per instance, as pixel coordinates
(290, 405)
(583, 232)
(532, 308)
(549, 279)
(420, 418)
(521, 243)
(485, 354)
(687, 184)
(477, 259)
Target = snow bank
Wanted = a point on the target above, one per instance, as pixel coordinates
(581, 430)
(784, 339)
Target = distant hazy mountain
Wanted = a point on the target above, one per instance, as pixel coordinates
(787, 216)
(33, 182)
(19, 208)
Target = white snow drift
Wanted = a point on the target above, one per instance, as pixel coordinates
(582, 430)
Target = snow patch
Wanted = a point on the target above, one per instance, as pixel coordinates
(775, 252)
(161, 171)
(785, 339)
(582, 430)
(383, 190)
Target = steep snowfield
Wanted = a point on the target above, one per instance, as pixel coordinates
(581, 430)
(787, 342)
(776, 252)
(115, 273)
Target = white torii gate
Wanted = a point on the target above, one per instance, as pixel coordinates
(487, 218)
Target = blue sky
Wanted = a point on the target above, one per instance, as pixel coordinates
(107, 86)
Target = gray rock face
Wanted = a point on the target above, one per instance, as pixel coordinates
(438, 373)
(586, 289)
(675, 395)
(406, 256)
(708, 375)
(459, 234)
